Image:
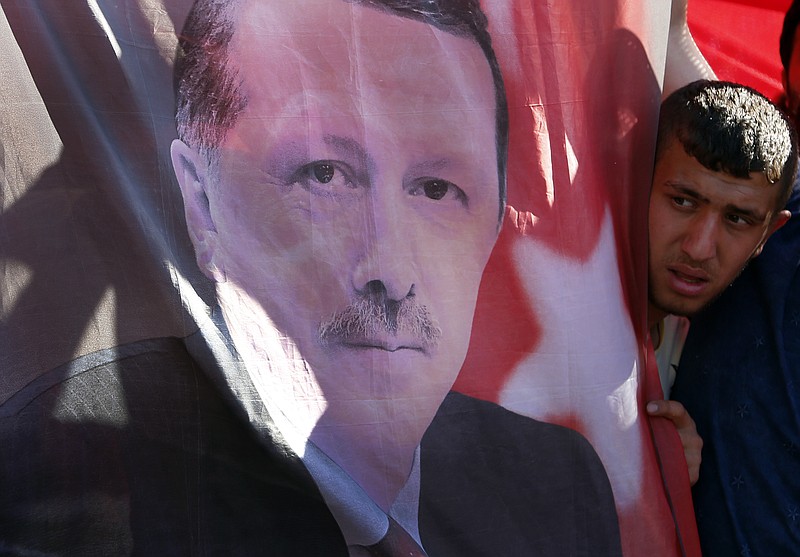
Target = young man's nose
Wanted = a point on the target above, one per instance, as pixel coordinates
(700, 239)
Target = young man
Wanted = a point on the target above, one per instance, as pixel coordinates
(725, 163)
(738, 378)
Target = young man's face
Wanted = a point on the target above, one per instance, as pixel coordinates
(704, 228)
(362, 174)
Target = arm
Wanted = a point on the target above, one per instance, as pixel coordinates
(691, 440)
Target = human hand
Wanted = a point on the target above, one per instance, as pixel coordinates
(691, 440)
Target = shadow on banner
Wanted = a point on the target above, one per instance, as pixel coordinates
(248, 332)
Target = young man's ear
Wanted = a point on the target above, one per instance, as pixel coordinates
(781, 218)
(191, 170)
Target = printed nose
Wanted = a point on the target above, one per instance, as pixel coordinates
(387, 266)
(384, 276)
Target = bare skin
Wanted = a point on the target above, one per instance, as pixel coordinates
(685, 63)
(690, 439)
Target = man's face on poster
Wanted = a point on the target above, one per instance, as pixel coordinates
(356, 197)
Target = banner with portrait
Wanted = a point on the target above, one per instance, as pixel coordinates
(331, 277)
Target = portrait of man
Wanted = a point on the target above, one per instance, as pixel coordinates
(342, 171)
(351, 206)
(342, 166)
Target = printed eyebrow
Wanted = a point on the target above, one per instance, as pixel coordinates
(351, 148)
(430, 166)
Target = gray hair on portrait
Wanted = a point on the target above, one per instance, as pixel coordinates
(731, 128)
(208, 89)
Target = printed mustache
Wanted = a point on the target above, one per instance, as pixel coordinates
(367, 319)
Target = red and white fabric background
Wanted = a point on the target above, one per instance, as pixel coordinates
(593, 145)
(739, 38)
(95, 254)
(559, 328)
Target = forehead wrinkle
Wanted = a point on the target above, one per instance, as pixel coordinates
(431, 165)
(334, 70)
(278, 50)
(351, 71)
(409, 47)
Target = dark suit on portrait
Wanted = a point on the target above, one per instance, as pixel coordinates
(136, 450)
(498, 483)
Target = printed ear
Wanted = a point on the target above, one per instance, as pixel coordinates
(191, 170)
(778, 220)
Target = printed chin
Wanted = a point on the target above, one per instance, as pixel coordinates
(378, 373)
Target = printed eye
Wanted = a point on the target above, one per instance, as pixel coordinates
(324, 177)
(437, 190)
(323, 172)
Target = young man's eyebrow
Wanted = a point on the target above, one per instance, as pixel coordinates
(687, 191)
(753, 214)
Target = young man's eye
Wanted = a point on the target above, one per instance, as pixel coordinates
(737, 220)
(683, 203)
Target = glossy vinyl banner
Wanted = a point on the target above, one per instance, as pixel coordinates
(331, 277)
